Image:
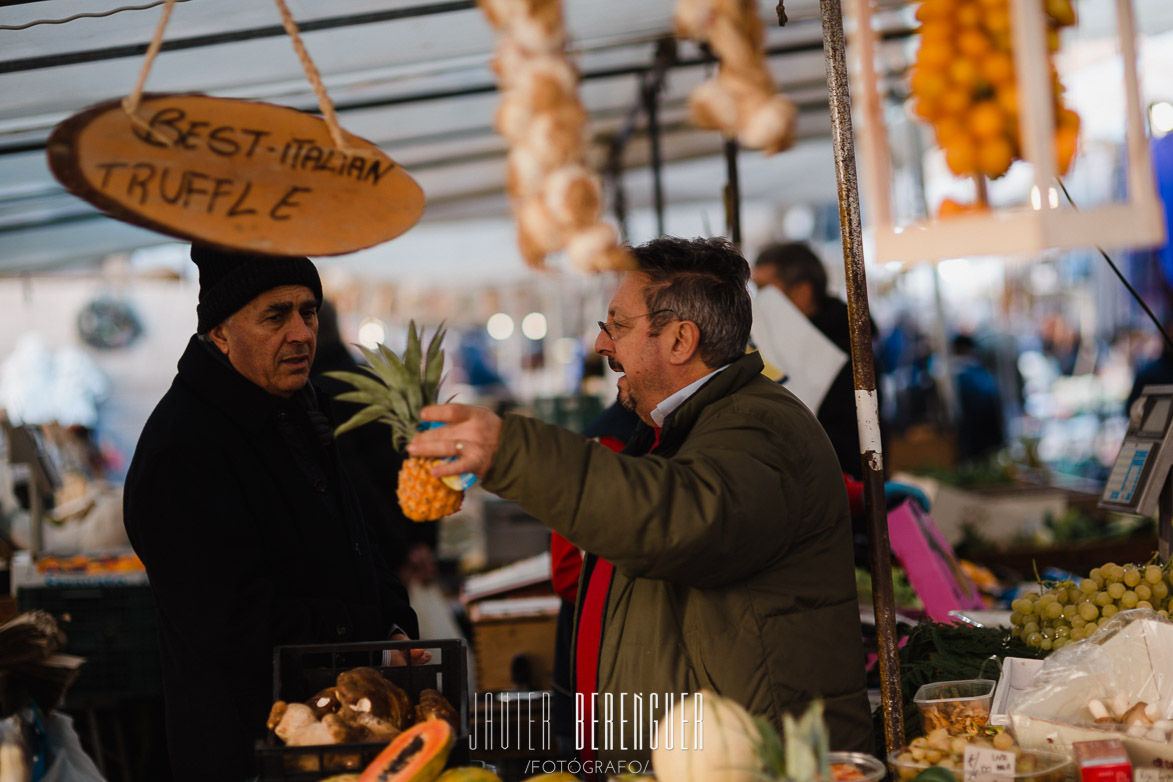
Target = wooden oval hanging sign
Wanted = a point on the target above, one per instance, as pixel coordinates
(236, 174)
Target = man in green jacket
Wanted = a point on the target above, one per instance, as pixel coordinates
(719, 539)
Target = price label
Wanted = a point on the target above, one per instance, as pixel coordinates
(1152, 775)
(985, 764)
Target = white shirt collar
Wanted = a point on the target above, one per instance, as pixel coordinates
(665, 408)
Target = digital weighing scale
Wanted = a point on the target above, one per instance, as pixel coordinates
(1140, 482)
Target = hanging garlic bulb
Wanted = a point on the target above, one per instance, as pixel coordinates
(740, 101)
(556, 199)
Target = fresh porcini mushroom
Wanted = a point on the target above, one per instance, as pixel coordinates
(1153, 712)
(1099, 712)
(1119, 705)
(275, 714)
(295, 719)
(1136, 715)
(315, 733)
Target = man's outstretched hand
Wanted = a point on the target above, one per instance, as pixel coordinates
(471, 434)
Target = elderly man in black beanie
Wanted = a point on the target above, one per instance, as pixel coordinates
(249, 529)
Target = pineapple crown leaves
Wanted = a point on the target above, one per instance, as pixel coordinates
(395, 388)
(806, 744)
(770, 749)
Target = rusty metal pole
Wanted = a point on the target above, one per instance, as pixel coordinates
(732, 192)
(651, 97)
(863, 370)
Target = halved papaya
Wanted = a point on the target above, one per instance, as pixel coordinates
(418, 754)
(468, 774)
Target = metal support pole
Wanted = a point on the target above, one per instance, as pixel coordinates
(1165, 519)
(732, 193)
(36, 513)
(863, 371)
(615, 176)
(233, 36)
(651, 96)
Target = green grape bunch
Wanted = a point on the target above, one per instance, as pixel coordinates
(1069, 611)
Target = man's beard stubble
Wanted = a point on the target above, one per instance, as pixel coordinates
(625, 400)
(623, 395)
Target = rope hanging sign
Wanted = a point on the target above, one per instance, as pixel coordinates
(232, 173)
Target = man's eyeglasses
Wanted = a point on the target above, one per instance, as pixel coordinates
(606, 327)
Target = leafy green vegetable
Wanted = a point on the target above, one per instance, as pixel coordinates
(936, 652)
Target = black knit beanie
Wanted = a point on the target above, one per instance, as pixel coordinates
(230, 280)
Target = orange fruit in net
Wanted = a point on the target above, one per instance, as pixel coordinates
(967, 14)
(973, 42)
(928, 82)
(926, 108)
(934, 53)
(987, 120)
(964, 72)
(951, 206)
(997, 67)
(997, 19)
(1066, 140)
(995, 156)
(933, 9)
(1007, 98)
(954, 101)
(1067, 117)
(948, 128)
(961, 155)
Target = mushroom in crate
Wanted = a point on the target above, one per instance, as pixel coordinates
(376, 709)
(362, 706)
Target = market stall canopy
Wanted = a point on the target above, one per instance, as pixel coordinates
(413, 78)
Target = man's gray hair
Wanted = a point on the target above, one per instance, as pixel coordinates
(704, 281)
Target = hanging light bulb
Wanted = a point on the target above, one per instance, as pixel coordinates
(533, 326)
(371, 332)
(500, 326)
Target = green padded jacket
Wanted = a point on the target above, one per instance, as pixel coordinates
(731, 544)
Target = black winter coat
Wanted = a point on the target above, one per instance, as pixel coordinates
(252, 539)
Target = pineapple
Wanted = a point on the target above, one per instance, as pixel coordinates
(394, 391)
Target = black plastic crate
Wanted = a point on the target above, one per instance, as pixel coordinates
(300, 672)
(109, 626)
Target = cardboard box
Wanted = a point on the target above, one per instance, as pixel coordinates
(1137, 661)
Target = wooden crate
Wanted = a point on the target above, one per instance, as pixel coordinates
(921, 446)
(498, 641)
